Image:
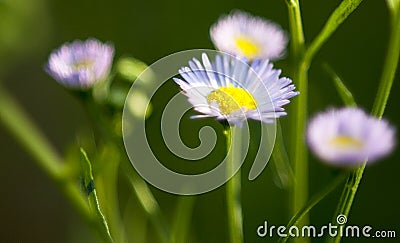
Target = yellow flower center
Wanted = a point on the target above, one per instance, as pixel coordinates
(248, 48)
(83, 64)
(347, 142)
(230, 99)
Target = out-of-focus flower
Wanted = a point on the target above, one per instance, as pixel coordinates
(252, 37)
(349, 136)
(80, 64)
(230, 89)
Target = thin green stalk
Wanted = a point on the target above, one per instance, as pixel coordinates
(19, 125)
(107, 180)
(22, 128)
(150, 206)
(233, 190)
(182, 219)
(390, 66)
(92, 196)
(338, 16)
(147, 201)
(348, 193)
(140, 188)
(299, 153)
(296, 28)
(347, 198)
(311, 203)
(107, 189)
(298, 150)
(302, 59)
(388, 74)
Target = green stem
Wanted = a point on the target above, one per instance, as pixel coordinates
(92, 196)
(313, 201)
(107, 180)
(15, 120)
(347, 198)
(390, 66)
(182, 221)
(302, 60)
(296, 28)
(388, 74)
(94, 203)
(140, 188)
(298, 149)
(338, 16)
(19, 125)
(299, 153)
(147, 201)
(233, 189)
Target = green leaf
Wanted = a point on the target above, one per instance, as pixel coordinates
(345, 8)
(344, 92)
(283, 174)
(182, 219)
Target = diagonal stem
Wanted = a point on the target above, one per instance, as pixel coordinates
(313, 201)
(92, 196)
(388, 74)
(143, 193)
(28, 135)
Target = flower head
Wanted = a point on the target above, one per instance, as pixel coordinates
(230, 89)
(348, 137)
(252, 37)
(80, 64)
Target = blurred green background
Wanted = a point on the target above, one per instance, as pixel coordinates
(31, 207)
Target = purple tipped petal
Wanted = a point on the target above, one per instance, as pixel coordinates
(269, 92)
(79, 65)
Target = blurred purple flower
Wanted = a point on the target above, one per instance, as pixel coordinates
(80, 64)
(349, 136)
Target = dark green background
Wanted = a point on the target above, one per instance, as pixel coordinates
(32, 209)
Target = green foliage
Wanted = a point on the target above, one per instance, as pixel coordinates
(393, 4)
(91, 193)
(130, 68)
(283, 172)
(344, 92)
(341, 13)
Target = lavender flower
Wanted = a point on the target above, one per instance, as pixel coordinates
(252, 37)
(80, 64)
(349, 136)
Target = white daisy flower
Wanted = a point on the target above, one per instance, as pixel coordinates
(349, 136)
(229, 89)
(242, 34)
